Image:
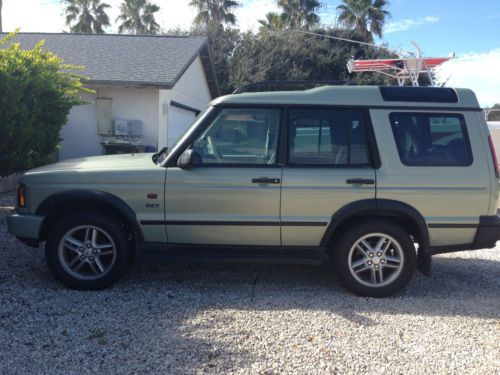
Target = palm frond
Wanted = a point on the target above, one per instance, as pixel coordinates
(138, 17)
(86, 16)
(366, 16)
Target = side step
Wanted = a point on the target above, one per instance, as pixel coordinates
(235, 254)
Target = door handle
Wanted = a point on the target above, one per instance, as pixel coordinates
(265, 180)
(361, 181)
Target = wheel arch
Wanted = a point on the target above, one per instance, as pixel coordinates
(57, 205)
(401, 213)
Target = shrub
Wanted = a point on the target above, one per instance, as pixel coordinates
(37, 91)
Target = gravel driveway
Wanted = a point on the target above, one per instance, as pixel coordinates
(221, 319)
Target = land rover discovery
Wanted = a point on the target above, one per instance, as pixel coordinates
(371, 180)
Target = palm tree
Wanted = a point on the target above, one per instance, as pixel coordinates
(86, 16)
(137, 17)
(365, 16)
(299, 13)
(273, 21)
(214, 12)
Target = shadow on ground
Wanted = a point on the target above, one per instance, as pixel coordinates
(151, 319)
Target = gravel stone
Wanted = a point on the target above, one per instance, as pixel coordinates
(240, 319)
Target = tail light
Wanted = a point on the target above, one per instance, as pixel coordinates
(494, 156)
(21, 196)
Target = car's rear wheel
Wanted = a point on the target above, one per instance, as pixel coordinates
(375, 259)
(88, 251)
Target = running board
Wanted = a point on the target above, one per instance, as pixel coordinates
(234, 254)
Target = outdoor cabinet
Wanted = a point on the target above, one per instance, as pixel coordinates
(104, 108)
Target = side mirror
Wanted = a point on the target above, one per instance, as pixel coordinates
(188, 158)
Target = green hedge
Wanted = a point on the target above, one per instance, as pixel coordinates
(37, 91)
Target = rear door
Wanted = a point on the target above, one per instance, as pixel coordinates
(328, 166)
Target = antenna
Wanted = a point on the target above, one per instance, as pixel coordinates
(400, 53)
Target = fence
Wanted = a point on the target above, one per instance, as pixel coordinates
(9, 183)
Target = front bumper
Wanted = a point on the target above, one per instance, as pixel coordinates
(26, 227)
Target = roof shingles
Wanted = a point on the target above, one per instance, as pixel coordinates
(126, 59)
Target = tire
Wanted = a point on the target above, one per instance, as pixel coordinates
(371, 271)
(88, 251)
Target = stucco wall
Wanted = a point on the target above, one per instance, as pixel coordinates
(192, 89)
(150, 105)
(80, 137)
(136, 104)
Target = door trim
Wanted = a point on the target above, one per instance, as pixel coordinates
(238, 223)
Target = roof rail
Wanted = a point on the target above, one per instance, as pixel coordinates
(271, 84)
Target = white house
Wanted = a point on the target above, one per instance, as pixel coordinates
(157, 84)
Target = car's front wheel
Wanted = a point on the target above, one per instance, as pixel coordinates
(375, 259)
(88, 251)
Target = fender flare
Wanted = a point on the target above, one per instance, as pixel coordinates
(378, 207)
(96, 196)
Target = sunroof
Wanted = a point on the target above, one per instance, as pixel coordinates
(419, 94)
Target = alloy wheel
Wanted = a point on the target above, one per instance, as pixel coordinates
(87, 252)
(376, 260)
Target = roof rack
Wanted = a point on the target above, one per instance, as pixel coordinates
(274, 84)
(403, 68)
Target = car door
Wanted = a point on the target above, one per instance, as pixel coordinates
(230, 195)
(429, 164)
(329, 166)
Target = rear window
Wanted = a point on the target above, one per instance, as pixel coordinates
(431, 139)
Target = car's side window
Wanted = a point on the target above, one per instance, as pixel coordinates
(431, 139)
(327, 137)
(240, 136)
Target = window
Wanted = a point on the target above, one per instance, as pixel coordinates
(431, 139)
(240, 136)
(327, 137)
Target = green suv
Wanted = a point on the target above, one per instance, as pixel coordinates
(372, 180)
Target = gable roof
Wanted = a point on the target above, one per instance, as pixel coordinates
(120, 59)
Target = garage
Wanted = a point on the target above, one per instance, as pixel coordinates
(180, 118)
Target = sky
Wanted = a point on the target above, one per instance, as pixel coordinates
(469, 29)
